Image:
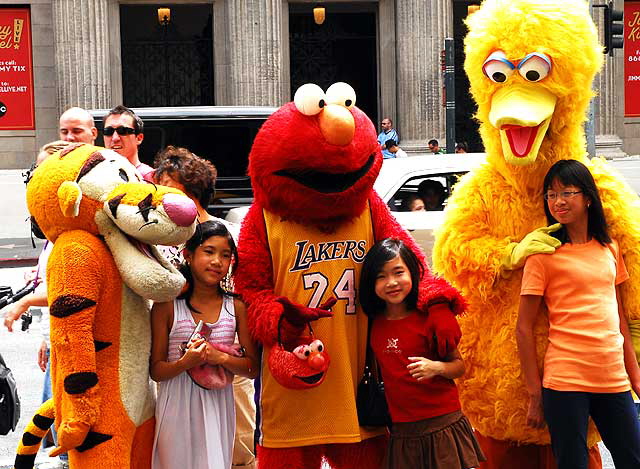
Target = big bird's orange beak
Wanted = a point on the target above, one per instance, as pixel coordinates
(522, 113)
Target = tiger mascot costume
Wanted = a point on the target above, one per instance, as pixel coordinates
(103, 269)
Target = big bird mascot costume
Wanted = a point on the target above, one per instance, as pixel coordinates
(104, 221)
(315, 216)
(531, 64)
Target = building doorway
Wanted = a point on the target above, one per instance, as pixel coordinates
(343, 48)
(168, 63)
(466, 126)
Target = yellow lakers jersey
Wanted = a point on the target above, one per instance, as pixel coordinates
(309, 267)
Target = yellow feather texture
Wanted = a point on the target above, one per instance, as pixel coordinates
(499, 203)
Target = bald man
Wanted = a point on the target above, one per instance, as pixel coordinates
(77, 125)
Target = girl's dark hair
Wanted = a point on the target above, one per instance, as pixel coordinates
(197, 175)
(203, 232)
(381, 253)
(574, 173)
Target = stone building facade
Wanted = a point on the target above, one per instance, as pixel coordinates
(77, 62)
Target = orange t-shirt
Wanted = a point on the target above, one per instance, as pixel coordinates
(578, 282)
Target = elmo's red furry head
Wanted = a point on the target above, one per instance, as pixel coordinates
(303, 368)
(315, 160)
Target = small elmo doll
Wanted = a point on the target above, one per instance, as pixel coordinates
(315, 216)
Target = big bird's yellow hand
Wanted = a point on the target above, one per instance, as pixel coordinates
(537, 242)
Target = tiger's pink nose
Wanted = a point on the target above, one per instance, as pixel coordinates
(180, 208)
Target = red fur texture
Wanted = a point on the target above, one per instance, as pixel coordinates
(291, 165)
(291, 141)
(367, 454)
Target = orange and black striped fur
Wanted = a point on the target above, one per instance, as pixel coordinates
(88, 201)
(33, 434)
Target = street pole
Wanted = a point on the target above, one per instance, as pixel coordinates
(590, 125)
(450, 94)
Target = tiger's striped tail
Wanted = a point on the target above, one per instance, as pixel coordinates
(33, 434)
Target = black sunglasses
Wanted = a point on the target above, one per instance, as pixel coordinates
(121, 129)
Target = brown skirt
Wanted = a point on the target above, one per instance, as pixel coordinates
(444, 442)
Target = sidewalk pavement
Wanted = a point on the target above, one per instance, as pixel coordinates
(16, 248)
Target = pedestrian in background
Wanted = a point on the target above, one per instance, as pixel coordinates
(124, 132)
(412, 203)
(387, 133)
(77, 125)
(461, 147)
(433, 194)
(392, 147)
(434, 147)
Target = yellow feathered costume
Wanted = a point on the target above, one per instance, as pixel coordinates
(531, 114)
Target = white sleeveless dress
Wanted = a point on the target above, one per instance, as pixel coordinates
(195, 426)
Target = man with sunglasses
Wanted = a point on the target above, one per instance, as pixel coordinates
(123, 133)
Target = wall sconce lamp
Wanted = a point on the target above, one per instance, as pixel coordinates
(164, 16)
(318, 15)
(472, 9)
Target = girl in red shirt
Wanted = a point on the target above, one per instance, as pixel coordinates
(429, 430)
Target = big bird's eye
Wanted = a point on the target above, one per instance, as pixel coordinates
(316, 346)
(497, 68)
(302, 352)
(341, 93)
(309, 99)
(534, 67)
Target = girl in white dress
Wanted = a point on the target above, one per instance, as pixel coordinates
(195, 426)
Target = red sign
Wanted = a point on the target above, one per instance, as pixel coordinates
(16, 70)
(632, 59)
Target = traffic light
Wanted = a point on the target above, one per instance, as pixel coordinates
(613, 29)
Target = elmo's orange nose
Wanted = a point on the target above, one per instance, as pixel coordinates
(337, 124)
(316, 361)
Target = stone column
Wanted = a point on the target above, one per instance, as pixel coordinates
(82, 47)
(421, 29)
(249, 67)
(608, 84)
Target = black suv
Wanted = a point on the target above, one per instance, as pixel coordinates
(221, 134)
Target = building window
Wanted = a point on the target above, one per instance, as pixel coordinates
(168, 63)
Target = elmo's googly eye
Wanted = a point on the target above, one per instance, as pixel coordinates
(534, 67)
(497, 68)
(310, 99)
(316, 346)
(302, 352)
(341, 93)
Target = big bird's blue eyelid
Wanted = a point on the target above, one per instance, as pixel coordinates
(500, 57)
(535, 54)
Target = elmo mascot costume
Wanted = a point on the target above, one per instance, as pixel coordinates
(531, 64)
(315, 215)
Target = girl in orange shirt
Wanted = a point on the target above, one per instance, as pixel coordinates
(590, 364)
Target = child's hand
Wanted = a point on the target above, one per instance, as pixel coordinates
(213, 356)
(423, 368)
(196, 354)
(535, 414)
